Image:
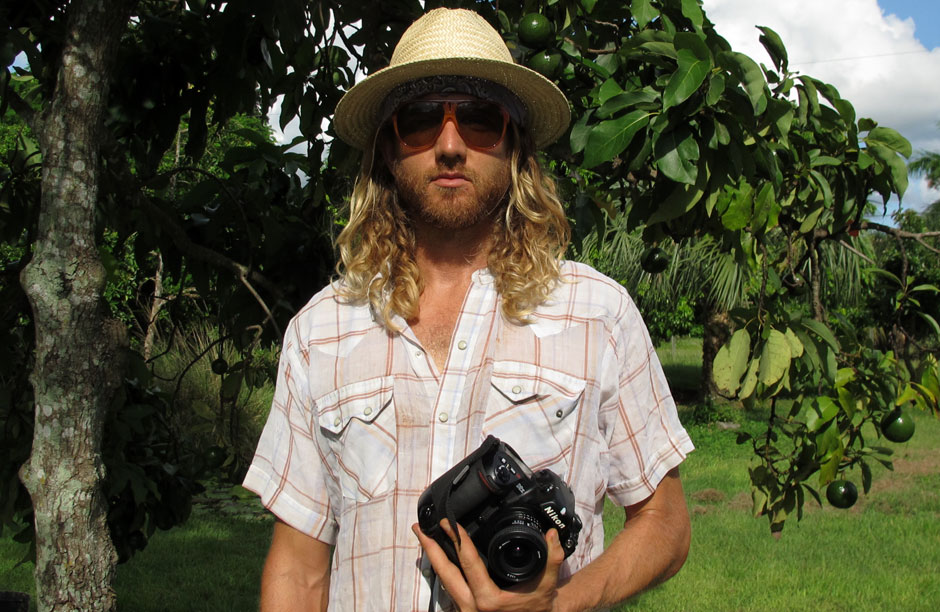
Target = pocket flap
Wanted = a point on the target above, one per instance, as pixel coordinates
(363, 400)
(522, 382)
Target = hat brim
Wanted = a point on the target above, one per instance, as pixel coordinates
(357, 114)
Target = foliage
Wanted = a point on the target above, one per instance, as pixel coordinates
(674, 132)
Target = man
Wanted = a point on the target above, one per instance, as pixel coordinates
(454, 317)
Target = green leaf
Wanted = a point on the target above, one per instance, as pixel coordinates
(608, 90)
(580, 132)
(930, 321)
(749, 75)
(740, 207)
(774, 46)
(731, 361)
(692, 11)
(621, 101)
(896, 166)
(885, 274)
(676, 154)
(891, 139)
(823, 186)
(866, 476)
(796, 347)
(774, 358)
(766, 210)
(643, 12)
(822, 331)
(686, 80)
(666, 49)
(825, 160)
(609, 138)
(681, 200)
(716, 87)
(750, 379)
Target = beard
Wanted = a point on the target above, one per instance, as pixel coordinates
(451, 208)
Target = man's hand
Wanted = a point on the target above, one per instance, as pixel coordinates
(474, 591)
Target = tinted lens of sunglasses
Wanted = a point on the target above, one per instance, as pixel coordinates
(480, 124)
(418, 123)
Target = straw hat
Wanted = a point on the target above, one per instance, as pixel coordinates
(452, 42)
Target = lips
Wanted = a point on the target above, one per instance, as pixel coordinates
(450, 179)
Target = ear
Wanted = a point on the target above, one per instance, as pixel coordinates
(386, 147)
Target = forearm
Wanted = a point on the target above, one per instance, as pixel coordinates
(296, 574)
(650, 549)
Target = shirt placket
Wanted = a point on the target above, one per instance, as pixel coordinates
(471, 330)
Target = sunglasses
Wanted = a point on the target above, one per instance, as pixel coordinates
(481, 124)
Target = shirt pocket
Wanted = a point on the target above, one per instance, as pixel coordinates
(534, 410)
(357, 424)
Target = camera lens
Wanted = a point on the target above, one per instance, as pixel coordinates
(517, 550)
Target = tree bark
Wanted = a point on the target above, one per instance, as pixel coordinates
(79, 349)
(716, 329)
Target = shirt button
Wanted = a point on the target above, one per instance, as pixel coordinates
(517, 390)
(367, 411)
(462, 345)
(442, 417)
(337, 422)
(559, 414)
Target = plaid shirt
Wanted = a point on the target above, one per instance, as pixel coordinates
(362, 422)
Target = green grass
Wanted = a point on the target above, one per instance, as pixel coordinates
(882, 554)
(212, 563)
(682, 361)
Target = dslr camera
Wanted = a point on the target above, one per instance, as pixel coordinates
(505, 508)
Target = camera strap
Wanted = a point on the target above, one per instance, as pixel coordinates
(488, 445)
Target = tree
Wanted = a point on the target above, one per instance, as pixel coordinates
(673, 131)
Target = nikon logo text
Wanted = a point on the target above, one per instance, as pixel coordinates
(554, 516)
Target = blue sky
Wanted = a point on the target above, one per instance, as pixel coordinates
(926, 16)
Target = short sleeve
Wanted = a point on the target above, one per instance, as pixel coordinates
(638, 414)
(288, 471)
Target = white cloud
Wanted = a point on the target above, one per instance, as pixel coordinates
(873, 59)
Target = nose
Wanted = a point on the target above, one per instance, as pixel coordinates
(449, 144)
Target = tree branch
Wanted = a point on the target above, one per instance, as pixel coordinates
(899, 233)
(201, 253)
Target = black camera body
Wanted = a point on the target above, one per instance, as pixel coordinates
(505, 508)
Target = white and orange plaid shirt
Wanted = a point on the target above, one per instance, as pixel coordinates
(363, 421)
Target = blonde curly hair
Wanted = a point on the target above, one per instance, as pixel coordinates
(377, 246)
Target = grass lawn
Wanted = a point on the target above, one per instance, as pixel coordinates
(881, 555)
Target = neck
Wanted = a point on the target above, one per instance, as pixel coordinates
(449, 257)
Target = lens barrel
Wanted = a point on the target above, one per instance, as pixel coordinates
(517, 549)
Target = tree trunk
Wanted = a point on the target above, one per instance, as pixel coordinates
(156, 304)
(79, 349)
(716, 329)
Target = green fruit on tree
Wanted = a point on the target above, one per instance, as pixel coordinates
(219, 366)
(535, 30)
(546, 63)
(841, 493)
(897, 426)
(215, 456)
(654, 260)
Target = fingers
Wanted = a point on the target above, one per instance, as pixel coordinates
(556, 556)
(449, 574)
(473, 567)
(472, 588)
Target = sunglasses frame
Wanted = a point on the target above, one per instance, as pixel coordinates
(450, 111)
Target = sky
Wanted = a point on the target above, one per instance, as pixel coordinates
(882, 55)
